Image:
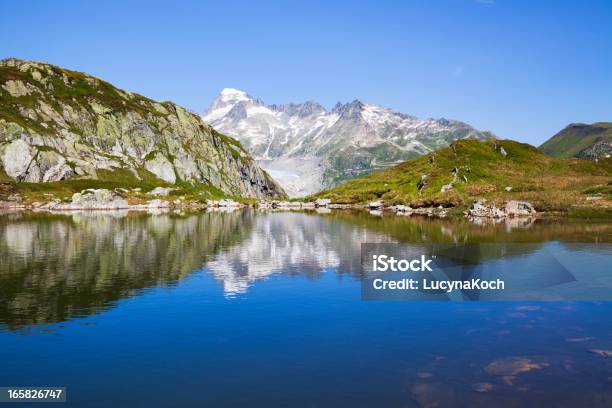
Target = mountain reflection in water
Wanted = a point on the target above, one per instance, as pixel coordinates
(56, 267)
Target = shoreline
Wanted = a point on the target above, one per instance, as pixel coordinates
(162, 199)
(424, 212)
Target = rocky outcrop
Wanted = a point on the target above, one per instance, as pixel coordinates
(601, 149)
(375, 205)
(480, 209)
(519, 209)
(322, 202)
(160, 191)
(57, 124)
(223, 203)
(91, 199)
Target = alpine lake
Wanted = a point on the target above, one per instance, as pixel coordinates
(264, 309)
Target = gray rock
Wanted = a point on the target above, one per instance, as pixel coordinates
(91, 199)
(519, 208)
(480, 210)
(322, 202)
(161, 191)
(445, 188)
(375, 205)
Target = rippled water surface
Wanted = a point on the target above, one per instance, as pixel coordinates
(264, 310)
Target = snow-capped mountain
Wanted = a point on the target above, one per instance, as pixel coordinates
(307, 148)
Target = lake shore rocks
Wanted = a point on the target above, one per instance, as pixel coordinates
(226, 202)
(480, 209)
(117, 199)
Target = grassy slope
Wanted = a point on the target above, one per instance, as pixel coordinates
(550, 184)
(118, 178)
(575, 138)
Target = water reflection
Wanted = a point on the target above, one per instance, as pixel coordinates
(55, 267)
(291, 243)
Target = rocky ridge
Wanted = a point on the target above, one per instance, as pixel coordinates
(57, 124)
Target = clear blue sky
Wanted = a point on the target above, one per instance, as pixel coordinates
(523, 69)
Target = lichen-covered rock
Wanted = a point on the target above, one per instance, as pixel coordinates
(57, 124)
(91, 199)
(480, 209)
(161, 191)
(519, 208)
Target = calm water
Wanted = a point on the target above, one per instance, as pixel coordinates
(264, 310)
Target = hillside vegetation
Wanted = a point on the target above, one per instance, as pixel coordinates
(499, 170)
(580, 140)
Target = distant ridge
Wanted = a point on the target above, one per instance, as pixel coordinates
(581, 140)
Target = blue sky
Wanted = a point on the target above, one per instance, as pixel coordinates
(523, 69)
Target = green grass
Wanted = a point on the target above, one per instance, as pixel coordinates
(69, 88)
(110, 180)
(555, 185)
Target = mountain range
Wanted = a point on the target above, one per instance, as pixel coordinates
(306, 147)
(57, 124)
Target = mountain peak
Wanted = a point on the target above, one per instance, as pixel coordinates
(232, 92)
(351, 110)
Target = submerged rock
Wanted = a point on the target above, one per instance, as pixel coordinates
(482, 387)
(602, 353)
(512, 366)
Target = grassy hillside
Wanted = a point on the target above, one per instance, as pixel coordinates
(575, 138)
(550, 184)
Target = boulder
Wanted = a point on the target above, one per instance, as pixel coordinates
(519, 209)
(161, 191)
(375, 205)
(480, 209)
(322, 202)
(157, 203)
(90, 199)
(446, 187)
